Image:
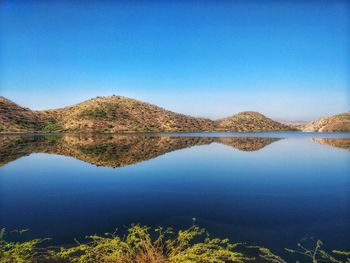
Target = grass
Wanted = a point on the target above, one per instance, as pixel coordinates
(142, 244)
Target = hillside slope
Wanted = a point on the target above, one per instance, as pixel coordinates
(14, 118)
(335, 123)
(249, 121)
(121, 114)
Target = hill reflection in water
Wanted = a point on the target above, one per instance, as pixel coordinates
(343, 143)
(114, 150)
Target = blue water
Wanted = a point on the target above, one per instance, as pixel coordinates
(273, 196)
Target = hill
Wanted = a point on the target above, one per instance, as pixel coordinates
(335, 123)
(15, 118)
(249, 121)
(121, 114)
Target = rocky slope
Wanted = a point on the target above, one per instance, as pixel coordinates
(121, 114)
(335, 123)
(16, 118)
(249, 121)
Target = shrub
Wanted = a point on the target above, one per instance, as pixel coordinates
(95, 113)
(52, 127)
(18, 252)
(166, 247)
(142, 244)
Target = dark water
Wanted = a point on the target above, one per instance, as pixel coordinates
(272, 189)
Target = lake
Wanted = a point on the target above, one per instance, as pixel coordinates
(270, 189)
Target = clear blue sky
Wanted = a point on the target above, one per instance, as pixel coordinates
(286, 59)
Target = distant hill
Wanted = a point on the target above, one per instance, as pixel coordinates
(121, 114)
(249, 121)
(295, 123)
(335, 123)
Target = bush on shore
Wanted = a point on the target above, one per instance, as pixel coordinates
(142, 244)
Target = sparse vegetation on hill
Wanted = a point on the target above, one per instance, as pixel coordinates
(121, 114)
(335, 123)
(250, 121)
(52, 127)
(15, 118)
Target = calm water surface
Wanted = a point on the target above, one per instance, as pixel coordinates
(270, 189)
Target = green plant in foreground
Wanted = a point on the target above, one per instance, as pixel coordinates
(166, 247)
(317, 254)
(314, 255)
(142, 244)
(18, 252)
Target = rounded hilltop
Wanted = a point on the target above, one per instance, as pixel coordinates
(123, 114)
(335, 123)
(250, 121)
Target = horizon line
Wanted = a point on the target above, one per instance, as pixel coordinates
(122, 96)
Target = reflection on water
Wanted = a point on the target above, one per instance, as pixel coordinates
(343, 143)
(114, 150)
(261, 190)
(122, 150)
